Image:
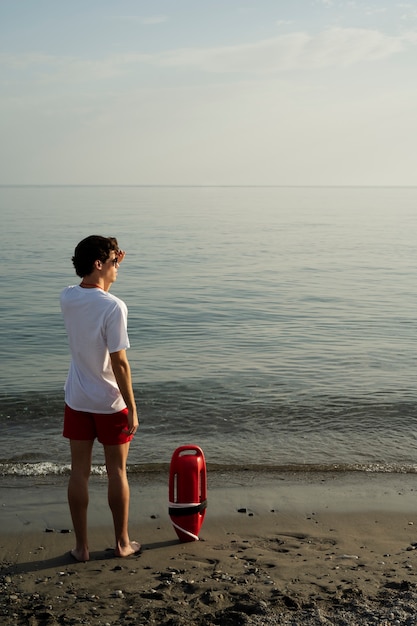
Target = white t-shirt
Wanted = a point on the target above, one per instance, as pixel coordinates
(96, 323)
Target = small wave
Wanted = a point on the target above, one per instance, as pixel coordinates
(56, 469)
(42, 469)
(320, 468)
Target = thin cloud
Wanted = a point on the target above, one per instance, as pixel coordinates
(333, 47)
(48, 68)
(375, 10)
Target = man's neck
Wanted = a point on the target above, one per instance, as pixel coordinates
(94, 280)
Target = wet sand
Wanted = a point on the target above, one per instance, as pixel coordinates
(273, 549)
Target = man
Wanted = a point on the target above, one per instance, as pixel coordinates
(99, 399)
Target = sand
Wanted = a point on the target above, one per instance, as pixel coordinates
(273, 549)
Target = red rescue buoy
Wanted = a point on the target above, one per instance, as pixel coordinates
(187, 491)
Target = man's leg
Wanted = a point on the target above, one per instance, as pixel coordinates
(81, 455)
(119, 496)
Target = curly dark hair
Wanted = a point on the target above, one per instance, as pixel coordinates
(91, 249)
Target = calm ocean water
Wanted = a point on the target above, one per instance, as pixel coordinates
(272, 326)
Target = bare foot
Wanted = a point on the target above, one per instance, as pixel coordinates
(132, 548)
(80, 555)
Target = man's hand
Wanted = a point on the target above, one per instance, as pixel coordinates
(120, 255)
(133, 422)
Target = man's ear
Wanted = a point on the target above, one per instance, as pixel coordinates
(98, 264)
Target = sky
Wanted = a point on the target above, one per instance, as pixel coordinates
(208, 92)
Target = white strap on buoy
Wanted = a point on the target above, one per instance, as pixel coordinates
(183, 505)
(186, 532)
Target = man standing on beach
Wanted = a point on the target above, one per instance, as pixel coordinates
(99, 399)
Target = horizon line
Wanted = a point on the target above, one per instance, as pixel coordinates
(185, 185)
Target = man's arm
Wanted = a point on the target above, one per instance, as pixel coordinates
(122, 373)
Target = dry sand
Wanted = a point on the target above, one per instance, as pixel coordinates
(273, 550)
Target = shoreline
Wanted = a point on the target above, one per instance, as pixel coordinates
(284, 550)
(34, 503)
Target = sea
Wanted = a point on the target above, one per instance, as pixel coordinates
(274, 327)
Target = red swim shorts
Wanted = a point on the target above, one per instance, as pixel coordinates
(106, 427)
